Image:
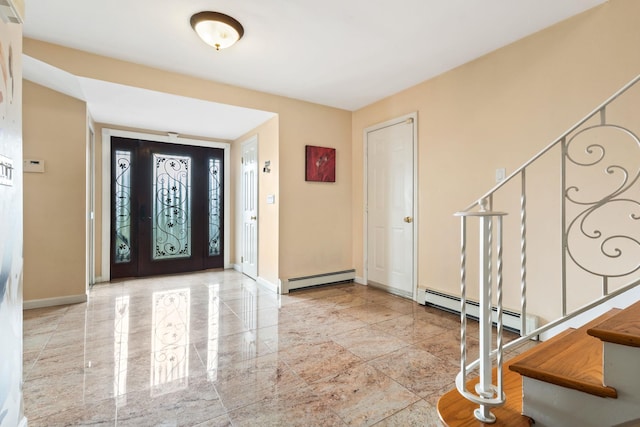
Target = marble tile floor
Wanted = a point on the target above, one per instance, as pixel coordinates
(215, 349)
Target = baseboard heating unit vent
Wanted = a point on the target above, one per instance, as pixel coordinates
(318, 279)
(511, 319)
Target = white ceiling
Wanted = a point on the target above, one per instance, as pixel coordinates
(340, 53)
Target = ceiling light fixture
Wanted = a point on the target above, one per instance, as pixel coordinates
(217, 29)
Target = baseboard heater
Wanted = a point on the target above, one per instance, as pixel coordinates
(319, 279)
(510, 319)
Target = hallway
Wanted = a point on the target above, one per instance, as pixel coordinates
(215, 349)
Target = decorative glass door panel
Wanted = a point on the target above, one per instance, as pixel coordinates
(171, 207)
(167, 208)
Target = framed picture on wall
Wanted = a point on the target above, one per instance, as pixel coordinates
(320, 164)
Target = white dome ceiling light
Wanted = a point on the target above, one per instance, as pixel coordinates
(217, 29)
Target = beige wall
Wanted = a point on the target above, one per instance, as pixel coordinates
(498, 111)
(317, 236)
(54, 130)
(268, 215)
(314, 213)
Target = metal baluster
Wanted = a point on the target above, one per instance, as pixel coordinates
(499, 296)
(484, 387)
(563, 146)
(523, 253)
(463, 298)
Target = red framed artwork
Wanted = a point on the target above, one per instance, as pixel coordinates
(320, 164)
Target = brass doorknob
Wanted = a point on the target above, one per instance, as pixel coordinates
(254, 218)
(408, 219)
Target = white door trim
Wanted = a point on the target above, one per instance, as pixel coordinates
(91, 204)
(106, 187)
(413, 117)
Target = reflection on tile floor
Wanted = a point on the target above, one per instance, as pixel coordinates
(215, 349)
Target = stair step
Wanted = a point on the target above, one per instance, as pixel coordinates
(623, 328)
(456, 411)
(572, 359)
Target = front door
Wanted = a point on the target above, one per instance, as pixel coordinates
(166, 208)
(390, 206)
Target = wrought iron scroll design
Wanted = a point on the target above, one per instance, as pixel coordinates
(215, 206)
(171, 207)
(603, 225)
(122, 207)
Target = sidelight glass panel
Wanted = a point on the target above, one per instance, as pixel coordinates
(122, 207)
(171, 235)
(215, 206)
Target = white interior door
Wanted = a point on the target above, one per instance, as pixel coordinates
(250, 208)
(390, 206)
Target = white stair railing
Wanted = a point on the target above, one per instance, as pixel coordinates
(583, 147)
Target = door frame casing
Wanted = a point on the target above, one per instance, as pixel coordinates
(105, 270)
(365, 196)
(91, 204)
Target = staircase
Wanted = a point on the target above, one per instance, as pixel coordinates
(586, 372)
(588, 376)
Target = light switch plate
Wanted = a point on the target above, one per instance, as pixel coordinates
(33, 165)
(271, 199)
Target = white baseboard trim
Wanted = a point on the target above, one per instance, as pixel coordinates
(237, 267)
(421, 296)
(267, 284)
(510, 319)
(359, 280)
(23, 422)
(318, 279)
(100, 279)
(51, 302)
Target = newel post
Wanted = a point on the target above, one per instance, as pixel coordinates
(486, 394)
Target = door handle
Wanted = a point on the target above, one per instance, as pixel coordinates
(143, 213)
(254, 218)
(408, 219)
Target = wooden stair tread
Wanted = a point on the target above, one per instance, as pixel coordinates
(456, 411)
(572, 359)
(623, 328)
